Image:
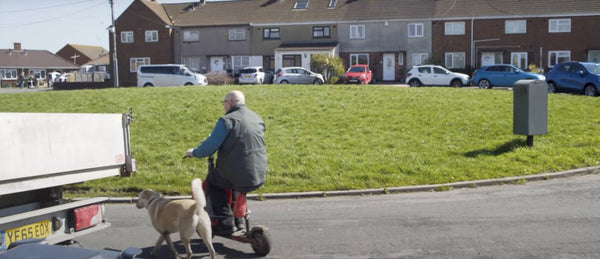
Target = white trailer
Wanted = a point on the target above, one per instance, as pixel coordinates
(42, 152)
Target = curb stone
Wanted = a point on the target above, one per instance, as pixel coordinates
(416, 188)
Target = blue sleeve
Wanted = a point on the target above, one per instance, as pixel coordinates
(213, 142)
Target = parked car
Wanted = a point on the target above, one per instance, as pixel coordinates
(297, 75)
(168, 75)
(574, 77)
(435, 75)
(360, 74)
(252, 75)
(501, 75)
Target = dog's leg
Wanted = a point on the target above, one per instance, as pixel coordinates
(167, 237)
(204, 230)
(157, 245)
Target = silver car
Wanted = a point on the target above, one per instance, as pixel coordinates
(297, 75)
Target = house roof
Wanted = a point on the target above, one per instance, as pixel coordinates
(264, 12)
(103, 60)
(10, 58)
(92, 52)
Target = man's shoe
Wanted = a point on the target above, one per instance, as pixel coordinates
(239, 224)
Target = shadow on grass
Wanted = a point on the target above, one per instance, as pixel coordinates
(504, 148)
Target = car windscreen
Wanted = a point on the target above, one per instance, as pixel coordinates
(248, 71)
(593, 68)
(357, 69)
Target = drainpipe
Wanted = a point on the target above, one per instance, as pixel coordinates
(472, 44)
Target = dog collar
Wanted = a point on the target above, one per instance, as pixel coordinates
(152, 200)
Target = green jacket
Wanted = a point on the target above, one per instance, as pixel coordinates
(242, 158)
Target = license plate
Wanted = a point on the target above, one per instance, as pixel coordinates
(36, 230)
(353, 81)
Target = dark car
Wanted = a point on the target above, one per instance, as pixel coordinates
(501, 75)
(575, 77)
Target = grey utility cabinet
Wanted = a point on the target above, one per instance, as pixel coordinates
(530, 108)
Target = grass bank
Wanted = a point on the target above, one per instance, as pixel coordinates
(337, 137)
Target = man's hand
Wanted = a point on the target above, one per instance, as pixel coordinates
(190, 152)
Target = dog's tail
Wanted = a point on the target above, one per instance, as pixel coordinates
(198, 193)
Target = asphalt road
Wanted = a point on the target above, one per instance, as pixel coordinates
(558, 218)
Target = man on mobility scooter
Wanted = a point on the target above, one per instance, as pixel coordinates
(241, 159)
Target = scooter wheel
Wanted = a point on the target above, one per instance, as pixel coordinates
(261, 243)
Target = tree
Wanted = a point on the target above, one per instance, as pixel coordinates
(332, 68)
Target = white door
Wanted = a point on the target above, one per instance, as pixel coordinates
(217, 64)
(487, 58)
(389, 67)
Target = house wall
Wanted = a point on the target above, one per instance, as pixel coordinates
(160, 52)
(68, 52)
(490, 36)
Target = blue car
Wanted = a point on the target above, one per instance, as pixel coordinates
(501, 75)
(575, 77)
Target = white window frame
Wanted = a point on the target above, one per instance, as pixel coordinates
(354, 58)
(239, 62)
(11, 72)
(127, 37)
(454, 28)
(415, 30)
(151, 35)
(557, 56)
(455, 60)
(192, 62)
(332, 4)
(419, 58)
(357, 31)
(515, 26)
(237, 34)
(135, 62)
(301, 5)
(191, 35)
(519, 56)
(559, 25)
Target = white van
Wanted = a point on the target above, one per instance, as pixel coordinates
(168, 75)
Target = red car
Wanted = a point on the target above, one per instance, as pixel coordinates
(358, 74)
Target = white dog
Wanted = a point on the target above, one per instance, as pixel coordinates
(183, 216)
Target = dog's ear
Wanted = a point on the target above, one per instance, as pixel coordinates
(143, 198)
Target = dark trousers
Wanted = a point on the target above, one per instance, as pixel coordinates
(216, 192)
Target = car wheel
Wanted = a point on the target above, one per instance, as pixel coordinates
(317, 82)
(283, 82)
(148, 84)
(188, 83)
(484, 84)
(456, 83)
(414, 83)
(552, 88)
(590, 90)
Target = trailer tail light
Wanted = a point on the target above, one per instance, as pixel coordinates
(88, 216)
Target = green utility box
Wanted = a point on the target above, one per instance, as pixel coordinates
(530, 108)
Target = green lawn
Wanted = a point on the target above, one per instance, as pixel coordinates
(337, 137)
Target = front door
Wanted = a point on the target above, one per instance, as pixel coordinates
(217, 64)
(389, 67)
(491, 58)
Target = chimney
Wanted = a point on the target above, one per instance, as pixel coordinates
(17, 46)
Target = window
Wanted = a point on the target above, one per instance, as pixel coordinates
(38, 72)
(357, 31)
(419, 58)
(519, 59)
(292, 60)
(359, 59)
(191, 35)
(301, 4)
(321, 32)
(515, 26)
(455, 28)
(415, 30)
(332, 4)
(8, 73)
(594, 56)
(559, 25)
(237, 34)
(192, 62)
(151, 36)
(401, 59)
(271, 33)
(134, 63)
(455, 59)
(239, 62)
(126, 37)
(555, 57)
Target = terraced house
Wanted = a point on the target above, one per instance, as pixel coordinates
(388, 35)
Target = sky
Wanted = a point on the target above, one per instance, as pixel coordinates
(52, 24)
